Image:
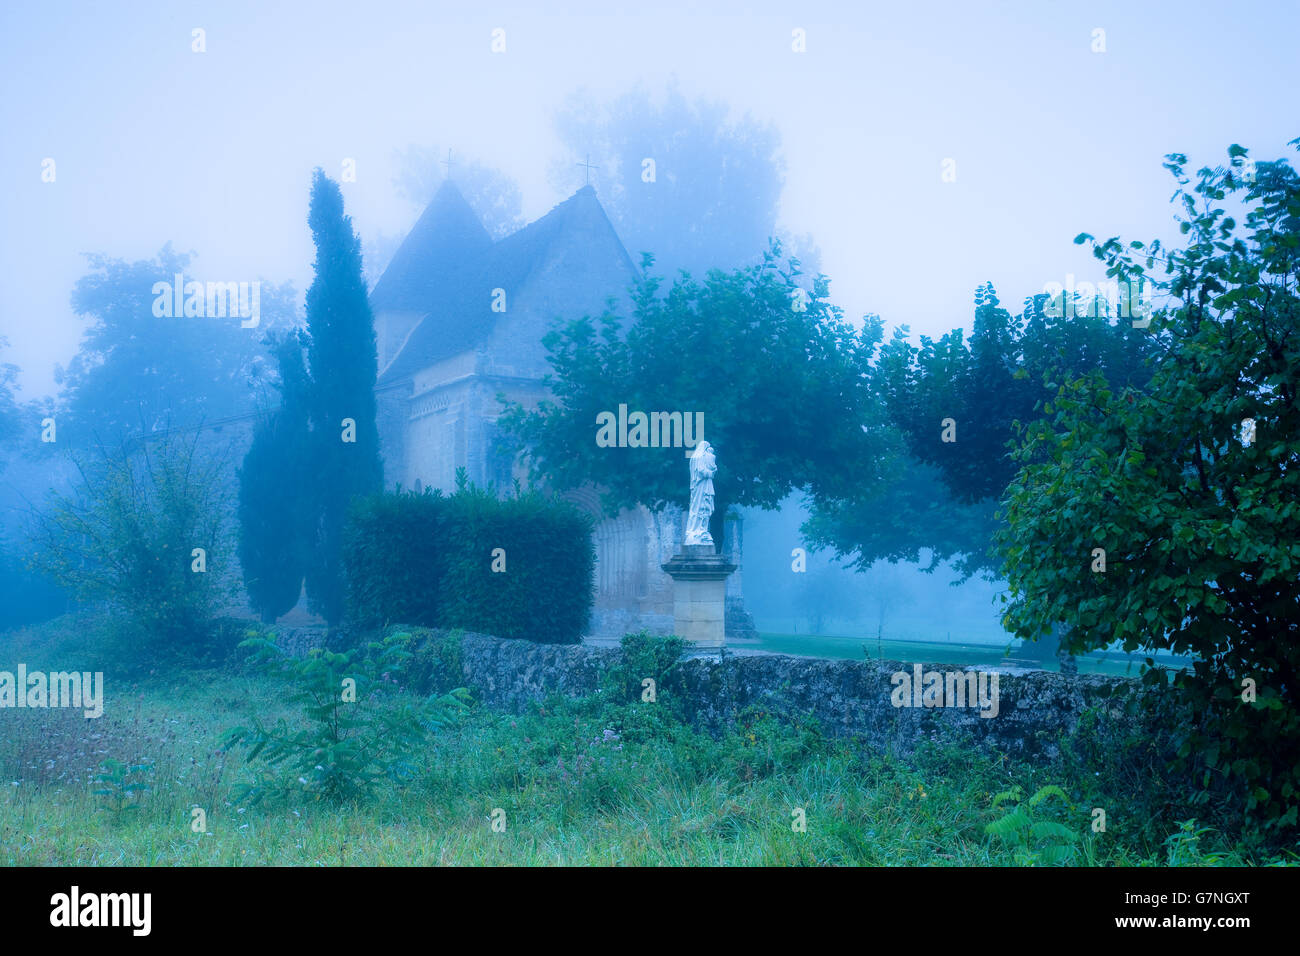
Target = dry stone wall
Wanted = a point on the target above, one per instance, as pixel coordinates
(1035, 710)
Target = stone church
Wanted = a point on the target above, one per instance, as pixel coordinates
(459, 318)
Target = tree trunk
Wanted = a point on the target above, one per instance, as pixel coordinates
(1043, 649)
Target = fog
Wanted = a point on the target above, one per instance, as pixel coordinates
(153, 141)
(213, 151)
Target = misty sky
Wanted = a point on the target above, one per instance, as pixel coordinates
(214, 151)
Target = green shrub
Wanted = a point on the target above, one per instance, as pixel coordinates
(119, 786)
(435, 663)
(644, 656)
(359, 734)
(394, 556)
(545, 591)
(1032, 837)
(517, 567)
(1198, 522)
(144, 529)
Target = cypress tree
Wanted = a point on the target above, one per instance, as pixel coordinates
(273, 515)
(344, 365)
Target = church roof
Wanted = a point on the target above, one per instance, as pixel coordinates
(446, 238)
(459, 312)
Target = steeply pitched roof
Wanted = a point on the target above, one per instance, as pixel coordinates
(460, 314)
(444, 240)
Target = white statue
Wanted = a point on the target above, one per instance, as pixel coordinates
(703, 467)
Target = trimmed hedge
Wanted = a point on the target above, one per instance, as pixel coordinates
(428, 560)
(394, 554)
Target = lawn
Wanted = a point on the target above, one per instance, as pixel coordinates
(937, 652)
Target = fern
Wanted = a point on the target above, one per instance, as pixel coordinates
(1049, 842)
(354, 741)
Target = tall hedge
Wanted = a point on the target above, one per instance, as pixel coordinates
(429, 560)
(394, 556)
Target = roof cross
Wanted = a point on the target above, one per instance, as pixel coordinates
(588, 167)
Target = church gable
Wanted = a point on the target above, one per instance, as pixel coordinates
(565, 264)
(446, 241)
(571, 270)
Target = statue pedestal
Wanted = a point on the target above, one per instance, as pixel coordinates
(699, 594)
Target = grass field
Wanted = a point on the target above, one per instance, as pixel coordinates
(595, 781)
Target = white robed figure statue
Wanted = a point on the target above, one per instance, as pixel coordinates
(703, 467)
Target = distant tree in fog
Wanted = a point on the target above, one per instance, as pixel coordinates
(10, 414)
(683, 180)
(136, 370)
(971, 390)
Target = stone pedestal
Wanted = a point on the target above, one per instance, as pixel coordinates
(699, 595)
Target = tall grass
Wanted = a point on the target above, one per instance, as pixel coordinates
(587, 782)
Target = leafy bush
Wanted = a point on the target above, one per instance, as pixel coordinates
(545, 591)
(1188, 488)
(434, 561)
(644, 656)
(128, 533)
(435, 662)
(358, 736)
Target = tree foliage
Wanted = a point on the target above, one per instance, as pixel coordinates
(1199, 523)
(773, 370)
(127, 533)
(344, 462)
(972, 391)
(136, 370)
(716, 184)
(274, 514)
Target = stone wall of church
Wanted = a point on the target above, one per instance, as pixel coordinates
(577, 280)
(391, 330)
(632, 591)
(392, 415)
(437, 436)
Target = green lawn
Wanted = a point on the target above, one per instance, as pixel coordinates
(932, 652)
